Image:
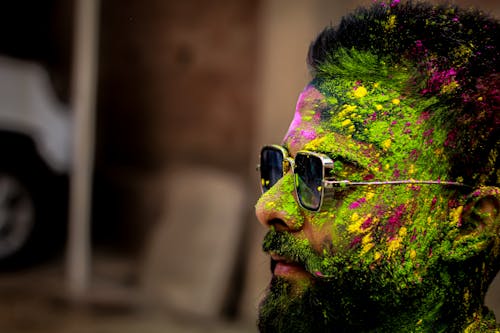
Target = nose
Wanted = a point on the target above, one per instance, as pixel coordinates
(278, 207)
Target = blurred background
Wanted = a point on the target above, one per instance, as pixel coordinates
(129, 133)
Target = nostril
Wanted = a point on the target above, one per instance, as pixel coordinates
(279, 225)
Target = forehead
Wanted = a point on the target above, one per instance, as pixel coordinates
(306, 124)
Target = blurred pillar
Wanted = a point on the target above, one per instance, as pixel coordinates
(83, 104)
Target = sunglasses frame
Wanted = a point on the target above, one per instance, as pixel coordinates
(289, 163)
(327, 163)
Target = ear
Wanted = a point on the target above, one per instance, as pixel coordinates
(479, 226)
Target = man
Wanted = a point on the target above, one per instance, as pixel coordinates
(383, 200)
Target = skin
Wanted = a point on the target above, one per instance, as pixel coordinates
(388, 255)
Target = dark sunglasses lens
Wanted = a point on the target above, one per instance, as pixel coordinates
(271, 167)
(308, 180)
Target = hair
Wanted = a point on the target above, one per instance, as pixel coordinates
(455, 57)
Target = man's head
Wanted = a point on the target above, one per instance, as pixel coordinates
(403, 104)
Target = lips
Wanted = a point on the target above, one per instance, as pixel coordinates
(281, 266)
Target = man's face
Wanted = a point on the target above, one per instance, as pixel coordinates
(370, 246)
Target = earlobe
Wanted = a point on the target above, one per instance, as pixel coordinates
(479, 226)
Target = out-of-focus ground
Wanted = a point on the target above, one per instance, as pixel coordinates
(35, 301)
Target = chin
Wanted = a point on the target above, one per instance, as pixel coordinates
(289, 307)
(314, 305)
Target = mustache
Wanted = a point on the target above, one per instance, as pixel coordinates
(284, 244)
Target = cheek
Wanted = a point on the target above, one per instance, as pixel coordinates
(394, 229)
(366, 220)
(397, 225)
(321, 232)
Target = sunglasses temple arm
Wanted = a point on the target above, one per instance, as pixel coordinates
(344, 183)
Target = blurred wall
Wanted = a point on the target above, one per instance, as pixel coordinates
(176, 86)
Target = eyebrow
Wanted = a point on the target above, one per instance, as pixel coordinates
(361, 162)
(357, 161)
(337, 146)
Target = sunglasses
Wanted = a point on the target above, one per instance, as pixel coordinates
(310, 170)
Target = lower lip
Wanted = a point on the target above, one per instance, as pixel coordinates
(289, 269)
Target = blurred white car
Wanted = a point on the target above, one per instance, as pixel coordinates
(35, 142)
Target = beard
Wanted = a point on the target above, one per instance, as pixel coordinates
(351, 300)
(292, 306)
(285, 309)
